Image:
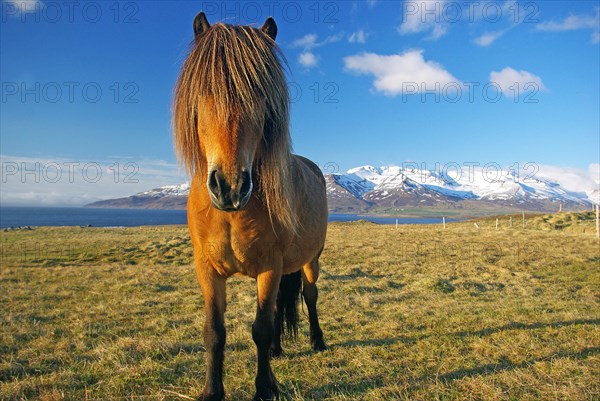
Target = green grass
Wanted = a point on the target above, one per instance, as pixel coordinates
(418, 313)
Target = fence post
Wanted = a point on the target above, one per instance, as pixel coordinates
(598, 221)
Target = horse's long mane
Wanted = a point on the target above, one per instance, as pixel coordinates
(238, 67)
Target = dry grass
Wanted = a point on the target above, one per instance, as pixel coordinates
(417, 313)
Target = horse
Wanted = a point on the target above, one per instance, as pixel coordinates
(254, 208)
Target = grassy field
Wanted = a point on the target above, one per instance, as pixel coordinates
(417, 313)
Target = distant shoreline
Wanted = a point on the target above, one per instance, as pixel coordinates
(52, 216)
(416, 213)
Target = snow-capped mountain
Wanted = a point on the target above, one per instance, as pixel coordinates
(166, 197)
(377, 189)
(168, 190)
(397, 187)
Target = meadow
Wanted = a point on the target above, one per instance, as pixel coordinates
(414, 313)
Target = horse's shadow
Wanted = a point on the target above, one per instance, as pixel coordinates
(360, 386)
(503, 364)
(478, 333)
(354, 273)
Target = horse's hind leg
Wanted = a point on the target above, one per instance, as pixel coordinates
(310, 274)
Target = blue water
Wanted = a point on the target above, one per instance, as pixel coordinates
(389, 220)
(14, 216)
(11, 216)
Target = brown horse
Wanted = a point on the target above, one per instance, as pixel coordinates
(254, 208)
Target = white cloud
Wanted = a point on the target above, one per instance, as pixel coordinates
(572, 179)
(488, 38)
(424, 16)
(359, 36)
(308, 59)
(512, 14)
(331, 39)
(14, 7)
(594, 170)
(308, 41)
(394, 74)
(40, 181)
(574, 22)
(571, 23)
(509, 77)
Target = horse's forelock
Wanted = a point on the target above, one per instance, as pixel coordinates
(237, 67)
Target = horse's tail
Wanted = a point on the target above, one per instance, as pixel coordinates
(287, 303)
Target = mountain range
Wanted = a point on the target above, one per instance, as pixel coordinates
(398, 190)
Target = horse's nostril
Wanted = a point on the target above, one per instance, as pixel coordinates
(246, 184)
(229, 196)
(213, 184)
(217, 184)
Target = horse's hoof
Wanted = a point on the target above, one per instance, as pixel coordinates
(267, 392)
(270, 395)
(276, 352)
(319, 345)
(211, 397)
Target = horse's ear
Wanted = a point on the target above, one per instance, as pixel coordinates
(270, 28)
(201, 24)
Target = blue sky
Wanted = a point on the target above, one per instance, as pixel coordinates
(504, 82)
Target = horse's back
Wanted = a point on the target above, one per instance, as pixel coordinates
(311, 187)
(312, 167)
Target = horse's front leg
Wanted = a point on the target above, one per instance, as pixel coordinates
(213, 291)
(263, 333)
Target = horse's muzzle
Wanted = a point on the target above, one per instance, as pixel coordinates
(229, 192)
